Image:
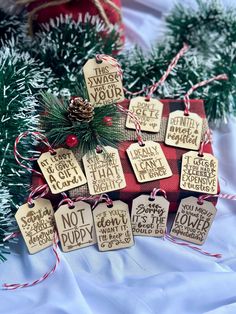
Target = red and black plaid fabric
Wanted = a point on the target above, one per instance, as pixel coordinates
(174, 156)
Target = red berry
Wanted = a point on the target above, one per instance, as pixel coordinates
(72, 140)
(107, 120)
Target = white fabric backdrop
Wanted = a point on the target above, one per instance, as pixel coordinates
(154, 276)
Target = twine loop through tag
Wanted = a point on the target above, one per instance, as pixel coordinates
(136, 123)
(39, 137)
(207, 139)
(154, 192)
(196, 86)
(112, 61)
(221, 195)
(44, 189)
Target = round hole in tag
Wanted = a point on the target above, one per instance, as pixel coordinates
(148, 161)
(199, 173)
(148, 112)
(113, 226)
(61, 170)
(104, 171)
(184, 131)
(193, 220)
(149, 215)
(75, 226)
(36, 224)
(103, 83)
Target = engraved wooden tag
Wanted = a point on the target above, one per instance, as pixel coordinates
(61, 171)
(113, 227)
(184, 131)
(104, 171)
(149, 216)
(149, 114)
(149, 162)
(103, 83)
(193, 221)
(75, 226)
(199, 173)
(36, 224)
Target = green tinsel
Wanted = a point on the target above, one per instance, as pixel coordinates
(65, 45)
(210, 31)
(20, 78)
(12, 27)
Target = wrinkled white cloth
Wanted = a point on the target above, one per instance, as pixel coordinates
(154, 276)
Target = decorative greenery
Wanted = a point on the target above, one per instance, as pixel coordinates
(58, 126)
(12, 27)
(20, 78)
(210, 30)
(65, 45)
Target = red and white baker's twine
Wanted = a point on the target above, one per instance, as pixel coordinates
(196, 86)
(115, 63)
(40, 137)
(168, 71)
(135, 121)
(207, 139)
(195, 248)
(221, 195)
(112, 61)
(155, 191)
(15, 286)
(96, 198)
(44, 189)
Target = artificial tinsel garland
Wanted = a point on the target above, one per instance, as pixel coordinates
(65, 45)
(20, 78)
(210, 31)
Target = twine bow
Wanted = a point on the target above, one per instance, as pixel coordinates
(98, 4)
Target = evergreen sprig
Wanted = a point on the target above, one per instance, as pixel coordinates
(57, 125)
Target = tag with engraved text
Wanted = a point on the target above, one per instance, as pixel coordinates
(103, 83)
(61, 170)
(75, 226)
(148, 162)
(36, 224)
(113, 227)
(149, 216)
(149, 114)
(199, 173)
(104, 171)
(184, 131)
(193, 221)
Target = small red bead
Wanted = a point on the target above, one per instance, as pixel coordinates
(72, 140)
(108, 120)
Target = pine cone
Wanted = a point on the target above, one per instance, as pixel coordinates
(80, 110)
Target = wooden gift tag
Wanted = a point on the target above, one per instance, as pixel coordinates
(75, 226)
(149, 114)
(149, 162)
(199, 173)
(193, 221)
(104, 171)
(184, 131)
(61, 171)
(36, 224)
(149, 216)
(113, 227)
(103, 83)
